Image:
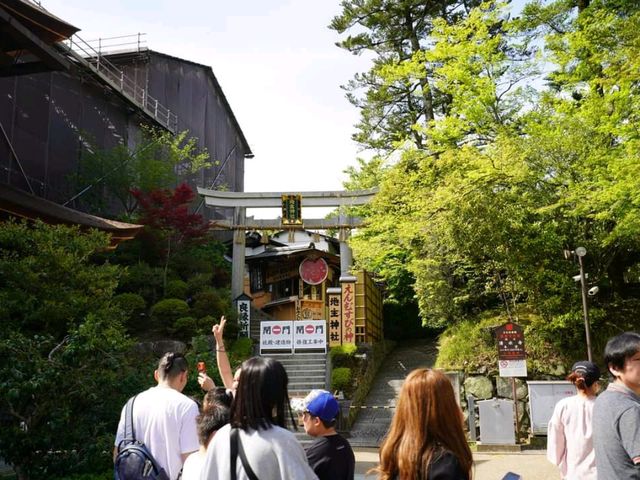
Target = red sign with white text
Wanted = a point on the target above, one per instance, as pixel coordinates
(510, 339)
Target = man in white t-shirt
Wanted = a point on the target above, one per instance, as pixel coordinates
(163, 418)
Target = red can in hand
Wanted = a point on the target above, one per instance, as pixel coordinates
(202, 368)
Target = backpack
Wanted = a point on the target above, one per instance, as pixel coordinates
(134, 460)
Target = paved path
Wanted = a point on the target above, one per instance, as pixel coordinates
(372, 423)
(531, 465)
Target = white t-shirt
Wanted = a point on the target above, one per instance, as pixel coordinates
(273, 454)
(193, 466)
(570, 438)
(165, 421)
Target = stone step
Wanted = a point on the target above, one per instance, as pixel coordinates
(298, 359)
(300, 383)
(308, 370)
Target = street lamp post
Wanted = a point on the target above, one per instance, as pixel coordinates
(581, 252)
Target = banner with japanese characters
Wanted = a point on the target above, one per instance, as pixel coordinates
(276, 335)
(244, 317)
(348, 313)
(310, 335)
(335, 317)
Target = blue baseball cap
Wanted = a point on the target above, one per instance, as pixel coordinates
(322, 404)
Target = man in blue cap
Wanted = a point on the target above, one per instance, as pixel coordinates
(330, 455)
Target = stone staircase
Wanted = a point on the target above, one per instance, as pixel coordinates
(306, 372)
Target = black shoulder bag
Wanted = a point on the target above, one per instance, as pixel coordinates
(134, 460)
(236, 447)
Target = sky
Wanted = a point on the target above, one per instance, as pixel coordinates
(278, 66)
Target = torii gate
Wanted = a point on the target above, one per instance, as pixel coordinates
(240, 201)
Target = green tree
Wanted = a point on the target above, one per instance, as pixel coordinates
(511, 176)
(62, 363)
(158, 160)
(396, 97)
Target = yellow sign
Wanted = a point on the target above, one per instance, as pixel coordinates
(348, 313)
(335, 320)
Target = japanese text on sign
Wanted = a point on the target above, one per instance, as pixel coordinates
(510, 339)
(310, 334)
(290, 335)
(292, 209)
(276, 335)
(244, 318)
(348, 313)
(335, 320)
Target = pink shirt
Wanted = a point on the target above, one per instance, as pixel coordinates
(570, 438)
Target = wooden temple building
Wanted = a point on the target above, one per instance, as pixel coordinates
(295, 275)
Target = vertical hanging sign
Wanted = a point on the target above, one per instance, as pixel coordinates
(292, 209)
(335, 316)
(243, 303)
(348, 313)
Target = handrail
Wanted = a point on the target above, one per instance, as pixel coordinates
(105, 45)
(96, 60)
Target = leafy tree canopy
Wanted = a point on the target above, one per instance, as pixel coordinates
(157, 161)
(61, 350)
(476, 215)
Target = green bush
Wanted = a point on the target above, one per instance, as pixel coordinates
(133, 306)
(199, 282)
(340, 379)
(343, 355)
(211, 302)
(207, 258)
(470, 346)
(184, 328)
(203, 350)
(63, 351)
(176, 289)
(165, 313)
(130, 303)
(143, 280)
(242, 348)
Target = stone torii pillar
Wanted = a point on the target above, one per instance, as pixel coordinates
(238, 254)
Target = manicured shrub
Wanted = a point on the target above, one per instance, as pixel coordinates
(199, 282)
(133, 306)
(340, 379)
(143, 280)
(167, 311)
(343, 355)
(211, 302)
(176, 289)
(184, 328)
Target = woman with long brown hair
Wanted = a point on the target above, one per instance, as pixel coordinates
(426, 440)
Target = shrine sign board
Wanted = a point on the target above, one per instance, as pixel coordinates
(244, 317)
(335, 316)
(348, 313)
(511, 353)
(292, 209)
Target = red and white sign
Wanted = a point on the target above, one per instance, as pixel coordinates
(310, 334)
(510, 340)
(293, 334)
(276, 335)
(314, 271)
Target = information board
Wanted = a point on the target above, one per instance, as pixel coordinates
(310, 334)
